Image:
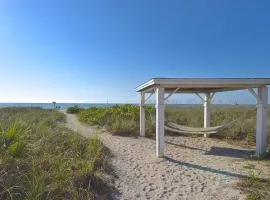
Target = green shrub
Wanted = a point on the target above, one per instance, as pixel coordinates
(119, 120)
(74, 110)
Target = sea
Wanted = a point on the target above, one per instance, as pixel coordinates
(89, 105)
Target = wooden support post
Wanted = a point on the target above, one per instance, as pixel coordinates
(142, 115)
(261, 125)
(206, 105)
(160, 122)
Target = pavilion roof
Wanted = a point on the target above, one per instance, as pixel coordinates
(197, 85)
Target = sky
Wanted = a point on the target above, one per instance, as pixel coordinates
(91, 51)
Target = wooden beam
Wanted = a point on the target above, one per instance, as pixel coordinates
(150, 95)
(171, 94)
(212, 96)
(252, 91)
(199, 96)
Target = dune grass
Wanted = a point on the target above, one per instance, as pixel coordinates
(256, 188)
(124, 120)
(41, 159)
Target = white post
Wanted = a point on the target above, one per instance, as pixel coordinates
(261, 125)
(206, 105)
(160, 122)
(142, 115)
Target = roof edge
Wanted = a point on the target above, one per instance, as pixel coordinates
(161, 81)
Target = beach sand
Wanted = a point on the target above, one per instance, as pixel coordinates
(193, 168)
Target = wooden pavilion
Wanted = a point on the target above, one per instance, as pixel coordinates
(207, 86)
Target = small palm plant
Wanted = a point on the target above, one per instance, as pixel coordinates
(11, 141)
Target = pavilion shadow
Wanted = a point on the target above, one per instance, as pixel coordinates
(184, 146)
(219, 151)
(207, 169)
(229, 152)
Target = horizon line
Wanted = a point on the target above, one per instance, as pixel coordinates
(122, 103)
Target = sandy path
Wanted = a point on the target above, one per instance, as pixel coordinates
(194, 168)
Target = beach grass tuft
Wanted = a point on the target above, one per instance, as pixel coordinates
(256, 188)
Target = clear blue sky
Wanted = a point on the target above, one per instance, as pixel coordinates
(86, 51)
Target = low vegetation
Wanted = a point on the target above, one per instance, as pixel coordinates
(256, 188)
(74, 109)
(124, 120)
(41, 159)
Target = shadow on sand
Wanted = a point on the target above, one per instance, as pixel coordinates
(219, 151)
(229, 152)
(184, 146)
(207, 169)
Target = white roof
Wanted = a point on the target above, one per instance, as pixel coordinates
(190, 85)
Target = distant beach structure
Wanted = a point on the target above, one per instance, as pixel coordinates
(54, 104)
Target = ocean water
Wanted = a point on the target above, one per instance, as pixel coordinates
(60, 105)
(88, 105)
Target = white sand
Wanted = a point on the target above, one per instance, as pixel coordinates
(194, 168)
